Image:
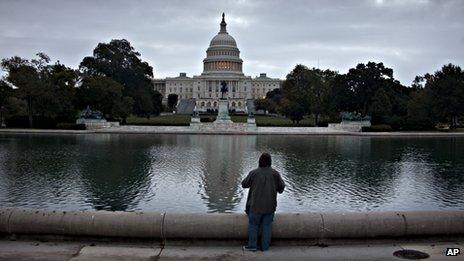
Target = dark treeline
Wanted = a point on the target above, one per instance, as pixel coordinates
(114, 81)
(370, 89)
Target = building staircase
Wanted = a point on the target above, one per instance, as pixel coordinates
(186, 106)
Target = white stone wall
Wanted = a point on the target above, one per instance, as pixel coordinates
(207, 89)
(182, 86)
(262, 85)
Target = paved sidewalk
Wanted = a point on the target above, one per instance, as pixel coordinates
(35, 250)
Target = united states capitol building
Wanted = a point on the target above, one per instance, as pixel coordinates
(222, 64)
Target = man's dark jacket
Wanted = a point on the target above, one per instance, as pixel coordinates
(264, 183)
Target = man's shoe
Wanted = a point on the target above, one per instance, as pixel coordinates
(246, 248)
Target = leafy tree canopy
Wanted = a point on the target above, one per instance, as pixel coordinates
(104, 94)
(119, 61)
(446, 90)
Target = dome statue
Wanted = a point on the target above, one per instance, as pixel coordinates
(222, 55)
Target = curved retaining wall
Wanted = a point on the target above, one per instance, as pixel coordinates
(229, 226)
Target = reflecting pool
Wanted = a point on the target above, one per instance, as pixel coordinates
(202, 173)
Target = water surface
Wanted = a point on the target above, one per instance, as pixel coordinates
(202, 173)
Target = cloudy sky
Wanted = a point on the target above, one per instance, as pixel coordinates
(411, 36)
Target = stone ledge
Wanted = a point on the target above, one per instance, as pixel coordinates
(230, 226)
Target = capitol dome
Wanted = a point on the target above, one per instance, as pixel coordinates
(223, 39)
(222, 56)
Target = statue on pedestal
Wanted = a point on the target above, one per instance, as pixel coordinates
(224, 89)
(93, 119)
(195, 120)
(223, 110)
(89, 114)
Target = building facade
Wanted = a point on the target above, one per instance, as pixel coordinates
(222, 64)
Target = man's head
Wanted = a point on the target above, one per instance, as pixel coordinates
(265, 160)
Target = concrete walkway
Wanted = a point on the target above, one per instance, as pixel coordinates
(228, 130)
(37, 250)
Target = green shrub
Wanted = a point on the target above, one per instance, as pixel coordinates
(377, 128)
(39, 122)
(208, 119)
(323, 123)
(397, 122)
(167, 120)
(70, 126)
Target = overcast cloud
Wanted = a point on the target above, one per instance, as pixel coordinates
(411, 36)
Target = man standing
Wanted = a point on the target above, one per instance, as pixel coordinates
(264, 183)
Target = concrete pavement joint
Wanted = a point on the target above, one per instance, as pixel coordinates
(8, 221)
(405, 224)
(323, 226)
(78, 251)
(163, 237)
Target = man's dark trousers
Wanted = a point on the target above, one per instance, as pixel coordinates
(254, 221)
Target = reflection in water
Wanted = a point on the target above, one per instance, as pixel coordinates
(223, 169)
(202, 173)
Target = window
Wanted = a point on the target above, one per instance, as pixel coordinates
(239, 104)
(202, 104)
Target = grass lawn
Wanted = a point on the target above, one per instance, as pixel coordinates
(184, 120)
(266, 121)
(168, 120)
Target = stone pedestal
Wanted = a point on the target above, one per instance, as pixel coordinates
(92, 124)
(353, 126)
(251, 123)
(195, 122)
(223, 113)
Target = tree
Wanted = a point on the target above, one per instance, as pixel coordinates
(292, 110)
(320, 85)
(419, 115)
(274, 99)
(104, 94)
(296, 87)
(340, 96)
(27, 76)
(5, 93)
(172, 101)
(296, 92)
(49, 90)
(261, 104)
(365, 80)
(119, 61)
(59, 92)
(15, 107)
(157, 99)
(446, 90)
(381, 107)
